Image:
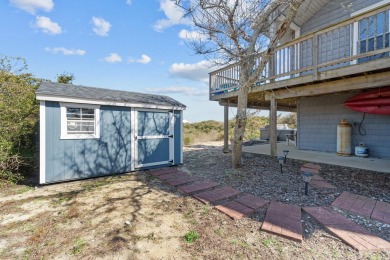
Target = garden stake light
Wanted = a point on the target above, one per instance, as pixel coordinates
(281, 162)
(307, 178)
(285, 152)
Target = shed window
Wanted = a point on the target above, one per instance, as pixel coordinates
(79, 121)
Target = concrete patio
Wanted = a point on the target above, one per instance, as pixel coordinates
(372, 164)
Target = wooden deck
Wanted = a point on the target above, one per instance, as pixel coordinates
(327, 61)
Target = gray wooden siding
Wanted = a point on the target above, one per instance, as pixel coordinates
(84, 158)
(317, 126)
(334, 44)
(333, 13)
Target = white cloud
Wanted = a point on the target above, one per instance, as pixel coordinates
(65, 51)
(188, 91)
(198, 71)
(101, 26)
(145, 59)
(191, 35)
(113, 58)
(174, 15)
(31, 6)
(129, 2)
(47, 25)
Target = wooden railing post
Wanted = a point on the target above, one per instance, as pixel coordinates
(315, 57)
(271, 68)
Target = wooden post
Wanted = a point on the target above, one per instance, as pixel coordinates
(226, 129)
(315, 57)
(272, 125)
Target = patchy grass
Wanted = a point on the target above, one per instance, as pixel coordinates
(78, 246)
(191, 236)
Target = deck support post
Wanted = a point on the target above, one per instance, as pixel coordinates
(226, 129)
(272, 125)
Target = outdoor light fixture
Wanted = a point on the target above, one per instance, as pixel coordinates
(281, 162)
(285, 152)
(307, 178)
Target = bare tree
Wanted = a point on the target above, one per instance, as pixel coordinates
(242, 31)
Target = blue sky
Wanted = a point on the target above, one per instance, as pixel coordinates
(137, 45)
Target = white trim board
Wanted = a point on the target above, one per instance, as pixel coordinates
(42, 142)
(106, 102)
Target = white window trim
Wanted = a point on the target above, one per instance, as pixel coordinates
(42, 142)
(64, 133)
(356, 26)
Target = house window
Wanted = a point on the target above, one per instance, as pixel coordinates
(79, 121)
(374, 35)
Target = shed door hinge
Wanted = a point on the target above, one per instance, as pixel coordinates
(171, 161)
(170, 136)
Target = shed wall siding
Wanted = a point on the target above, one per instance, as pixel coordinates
(317, 125)
(84, 158)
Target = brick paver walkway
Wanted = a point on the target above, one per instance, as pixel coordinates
(199, 186)
(241, 207)
(252, 201)
(235, 210)
(312, 166)
(216, 194)
(363, 206)
(284, 220)
(347, 230)
(172, 175)
(181, 180)
(158, 172)
(320, 182)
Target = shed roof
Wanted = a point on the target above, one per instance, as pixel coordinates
(51, 91)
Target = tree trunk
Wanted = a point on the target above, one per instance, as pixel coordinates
(241, 119)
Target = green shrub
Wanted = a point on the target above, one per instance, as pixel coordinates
(19, 119)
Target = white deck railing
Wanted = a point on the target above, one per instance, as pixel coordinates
(356, 40)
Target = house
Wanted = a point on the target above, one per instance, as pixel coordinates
(330, 54)
(89, 132)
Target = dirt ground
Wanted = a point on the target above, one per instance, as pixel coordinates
(136, 216)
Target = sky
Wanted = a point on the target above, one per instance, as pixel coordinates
(131, 45)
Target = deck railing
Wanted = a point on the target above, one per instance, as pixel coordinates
(356, 40)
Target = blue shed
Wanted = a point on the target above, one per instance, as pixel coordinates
(89, 132)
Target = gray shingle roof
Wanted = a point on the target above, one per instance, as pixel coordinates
(52, 89)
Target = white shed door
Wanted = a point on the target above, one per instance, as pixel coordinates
(153, 138)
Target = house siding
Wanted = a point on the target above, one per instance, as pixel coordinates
(335, 44)
(318, 118)
(85, 158)
(333, 13)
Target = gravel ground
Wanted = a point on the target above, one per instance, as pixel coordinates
(261, 176)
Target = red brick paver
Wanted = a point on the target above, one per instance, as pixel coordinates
(312, 166)
(381, 212)
(347, 230)
(199, 186)
(235, 210)
(216, 194)
(172, 175)
(252, 201)
(321, 184)
(363, 206)
(311, 170)
(284, 220)
(181, 180)
(158, 172)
